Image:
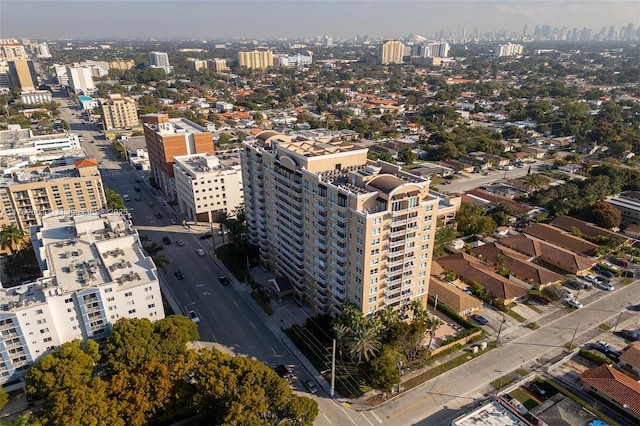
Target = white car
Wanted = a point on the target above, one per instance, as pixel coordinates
(574, 303)
(200, 252)
(194, 317)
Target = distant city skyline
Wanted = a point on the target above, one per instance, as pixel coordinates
(145, 19)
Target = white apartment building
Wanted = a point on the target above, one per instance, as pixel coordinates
(160, 60)
(508, 49)
(81, 80)
(94, 272)
(340, 227)
(207, 185)
(61, 74)
(43, 51)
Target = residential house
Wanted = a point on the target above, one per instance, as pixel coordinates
(585, 229)
(549, 253)
(517, 264)
(630, 361)
(472, 270)
(614, 386)
(453, 297)
(556, 236)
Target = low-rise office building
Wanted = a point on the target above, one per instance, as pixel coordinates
(94, 272)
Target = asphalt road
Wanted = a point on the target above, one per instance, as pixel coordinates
(227, 319)
(438, 401)
(467, 181)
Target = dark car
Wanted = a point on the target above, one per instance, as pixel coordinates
(480, 319)
(206, 235)
(628, 274)
(574, 284)
(634, 308)
(538, 390)
(166, 240)
(285, 373)
(137, 180)
(179, 275)
(224, 280)
(137, 189)
(630, 335)
(158, 215)
(311, 387)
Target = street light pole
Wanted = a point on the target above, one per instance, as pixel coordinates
(333, 370)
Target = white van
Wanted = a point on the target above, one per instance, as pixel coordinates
(126, 197)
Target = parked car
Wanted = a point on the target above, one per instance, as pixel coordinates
(604, 347)
(311, 387)
(635, 308)
(224, 280)
(179, 275)
(576, 285)
(166, 241)
(604, 286)
(194, 317)
(200, 252)
(573, 303)
(285, 373)
(620, 261)
(634, 336)
(628, 274)
(480, 319)
(537, 389)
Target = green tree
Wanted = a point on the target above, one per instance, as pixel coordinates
(87, 404)
(12, 237)
(141, 392)
(114, 200)
(471, 220)
(407, 156)
(384, 370)
(160, 261)
(605, 215)
(444, 235)
(364, 341)
(4, 398)
(70, 366)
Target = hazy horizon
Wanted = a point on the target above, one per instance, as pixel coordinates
(51, 19)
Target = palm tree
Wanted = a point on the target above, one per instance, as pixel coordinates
(153, 249)
(341, 333)
(535, 181)
(388, 317)
(419, 312)
(160, 261)
(365, 342)
(12, 237)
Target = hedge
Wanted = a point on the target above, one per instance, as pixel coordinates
(595, 356)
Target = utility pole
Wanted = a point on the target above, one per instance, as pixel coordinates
(574, 336)
(333, 371)
(617, 322)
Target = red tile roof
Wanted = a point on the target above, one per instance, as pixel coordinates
(615, 385)
(85, 162)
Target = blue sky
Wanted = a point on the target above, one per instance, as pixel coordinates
(53, 19)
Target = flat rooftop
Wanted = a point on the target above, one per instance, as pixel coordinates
(492, 414)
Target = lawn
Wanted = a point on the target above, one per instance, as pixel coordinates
(524, 398)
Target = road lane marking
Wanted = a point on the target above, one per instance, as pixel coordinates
(252, 325)
(365, 417)
(273, 350)
(376, 416)
(235, 303)
(325, 416)
(418, 402)
(214, 337)
(350, 419)
(186, 294)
